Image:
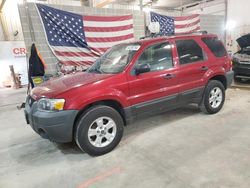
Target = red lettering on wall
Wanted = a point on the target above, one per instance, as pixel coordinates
(19, 51)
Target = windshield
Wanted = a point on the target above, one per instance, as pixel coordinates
(115, 60)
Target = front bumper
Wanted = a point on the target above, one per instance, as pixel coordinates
(229, 77)
(56, 126)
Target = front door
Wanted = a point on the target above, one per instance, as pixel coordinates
(156, 89)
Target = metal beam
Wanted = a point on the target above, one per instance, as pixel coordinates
(141, 5)
(5, 36)
(2, 4)
(225, 21)
(103, 3)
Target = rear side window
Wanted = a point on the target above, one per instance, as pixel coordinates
(215, 45)
(189, 51)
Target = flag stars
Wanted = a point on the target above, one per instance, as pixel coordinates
(63, 29)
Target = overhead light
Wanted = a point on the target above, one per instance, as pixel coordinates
(230, 25)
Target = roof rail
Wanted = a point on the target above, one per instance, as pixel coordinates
(203, 32)
(153, 35)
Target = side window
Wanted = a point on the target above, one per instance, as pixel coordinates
(215, 45)
(157, 56)
(189, 51)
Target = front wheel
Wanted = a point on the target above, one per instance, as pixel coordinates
(99, 130)
(213, 97)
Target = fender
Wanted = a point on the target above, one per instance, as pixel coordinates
(82, 101)
(215, 71)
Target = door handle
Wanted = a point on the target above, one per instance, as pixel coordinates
(204, 68)
(168, 76)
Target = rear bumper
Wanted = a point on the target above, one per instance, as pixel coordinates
(55, 126)
(229, 77)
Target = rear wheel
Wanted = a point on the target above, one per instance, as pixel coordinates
(213, 97)
(99, 130)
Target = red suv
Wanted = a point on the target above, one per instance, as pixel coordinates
(128, 82)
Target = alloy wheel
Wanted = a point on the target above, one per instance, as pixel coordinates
(102, 132)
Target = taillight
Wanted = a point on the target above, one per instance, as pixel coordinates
(229, 64)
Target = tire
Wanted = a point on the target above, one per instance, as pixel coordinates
(213, 97)
(99, 130)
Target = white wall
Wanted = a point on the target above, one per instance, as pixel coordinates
(238, 15)
(13, 53)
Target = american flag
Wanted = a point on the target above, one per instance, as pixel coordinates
(80, 39)
(176, 25)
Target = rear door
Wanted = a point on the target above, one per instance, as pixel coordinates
(157, 89)
(193, 65)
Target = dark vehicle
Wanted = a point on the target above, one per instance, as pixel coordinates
(128, 82)
(241, 59)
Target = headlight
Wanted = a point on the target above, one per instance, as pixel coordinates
(51, 104)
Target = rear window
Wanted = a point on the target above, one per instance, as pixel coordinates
(215, 45)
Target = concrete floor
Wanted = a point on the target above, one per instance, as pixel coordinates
(180, 149)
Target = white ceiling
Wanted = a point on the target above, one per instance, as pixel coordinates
(162, 3)
(174, 3)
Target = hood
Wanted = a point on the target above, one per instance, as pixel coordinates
(244, 41)
(56, 86)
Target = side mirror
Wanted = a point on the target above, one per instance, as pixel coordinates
(142, 69)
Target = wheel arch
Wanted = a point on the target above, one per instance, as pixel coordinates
(220, 78)
(107, 102)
